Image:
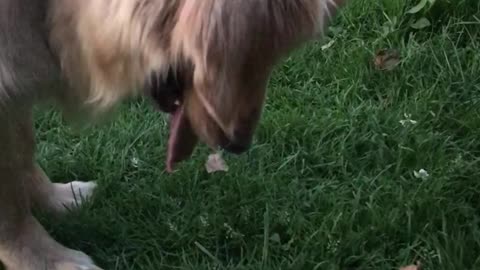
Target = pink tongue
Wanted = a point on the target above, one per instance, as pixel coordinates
(182, 139)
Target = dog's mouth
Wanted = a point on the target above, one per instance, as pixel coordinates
(182, 138)
(168, 94)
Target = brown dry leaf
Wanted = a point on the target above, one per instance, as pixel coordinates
(215, 163)
(416, 266)
(386, 59)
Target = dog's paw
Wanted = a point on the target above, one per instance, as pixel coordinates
(72, 195)
(60, 259)
(35, 249)
(77, 261)
(69, 266)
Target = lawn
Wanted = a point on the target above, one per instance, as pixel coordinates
(330, 182)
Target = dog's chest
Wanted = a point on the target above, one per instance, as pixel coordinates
(25, 59)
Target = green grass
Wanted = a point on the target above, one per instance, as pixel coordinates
(329, 183)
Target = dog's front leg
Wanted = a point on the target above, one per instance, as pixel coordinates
(24, 243)
(57, 198)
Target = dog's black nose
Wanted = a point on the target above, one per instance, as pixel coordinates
(240, 142)
(236, 148)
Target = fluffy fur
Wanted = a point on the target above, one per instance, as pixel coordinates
(88, 55)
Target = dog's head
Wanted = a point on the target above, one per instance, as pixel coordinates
(223, 54)
(207, 62)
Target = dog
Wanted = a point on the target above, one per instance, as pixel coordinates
(205, 62)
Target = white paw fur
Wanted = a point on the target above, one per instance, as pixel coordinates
(71, 195)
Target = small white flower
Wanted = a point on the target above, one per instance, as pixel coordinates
(458, 160)
(231, 233)
(172, 226)
(328, 45)
(408, 120)
(204, 220)
(332, 245)
(229, 230)
(422, 174)
(135, 161)
(285, 217)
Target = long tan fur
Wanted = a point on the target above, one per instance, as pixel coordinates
(106, 48)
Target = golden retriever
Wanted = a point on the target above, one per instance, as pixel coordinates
(206, 62)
